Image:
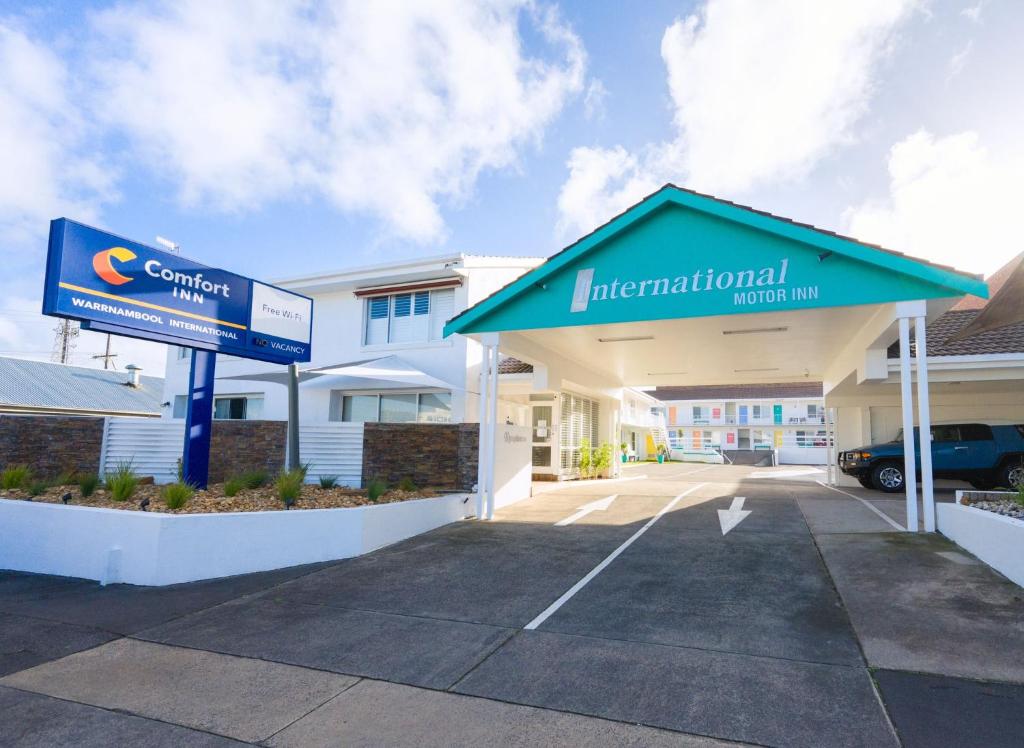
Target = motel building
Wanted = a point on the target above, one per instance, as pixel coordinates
(380, 355)
(751, 424)
(612, 339)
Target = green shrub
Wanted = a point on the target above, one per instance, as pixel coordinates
(305, 467)
(289, 485)
(233, 485)
(256, 478)
(407, 485)
(586, 459)
(1019, 498)
(375, 489)
(66, 478)
(601, 459)
(87, 483)
(15, 476)
(37, 487)
(122, 482)
(176, 495)
(328, 481)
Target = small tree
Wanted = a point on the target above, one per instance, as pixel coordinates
(602, 458)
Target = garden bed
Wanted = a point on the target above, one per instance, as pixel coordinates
(998, 502)
(214, 500)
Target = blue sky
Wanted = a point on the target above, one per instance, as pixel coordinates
(282, 138)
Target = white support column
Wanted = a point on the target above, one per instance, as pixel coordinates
(907, 401)
(482, 411)
(493, 419)
(829, 447)
(924, 422)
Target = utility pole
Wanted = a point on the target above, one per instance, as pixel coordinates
(108, 357)
(64, 342)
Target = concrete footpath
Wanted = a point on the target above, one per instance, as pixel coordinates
(571, 619)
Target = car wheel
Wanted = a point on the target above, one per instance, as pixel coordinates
(888, 477)
(865, 481)
(1012, 475)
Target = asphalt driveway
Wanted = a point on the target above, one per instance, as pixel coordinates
(636, 621)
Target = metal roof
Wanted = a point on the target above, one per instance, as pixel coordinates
(44, 386)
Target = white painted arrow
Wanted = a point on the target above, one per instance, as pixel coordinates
(594, 506)
(732, 516)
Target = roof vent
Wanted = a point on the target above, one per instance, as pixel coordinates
(134, 377)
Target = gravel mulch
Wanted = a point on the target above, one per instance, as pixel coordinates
(1006, 507)
(213, 500)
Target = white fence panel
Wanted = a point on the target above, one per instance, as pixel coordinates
(333, 449)
(152, 446)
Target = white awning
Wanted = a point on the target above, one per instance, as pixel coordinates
(384, 373)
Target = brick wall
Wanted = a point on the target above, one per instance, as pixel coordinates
(432, 455)
(50, 445)
(242, 446)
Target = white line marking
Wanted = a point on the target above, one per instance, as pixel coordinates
(594, 506)
(729, 518)
(611, 557)
(875, 509)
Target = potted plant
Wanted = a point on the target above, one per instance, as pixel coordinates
(625, 449)
(662, 452)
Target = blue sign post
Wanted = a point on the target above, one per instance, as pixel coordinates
(115, 285)
(195, 454)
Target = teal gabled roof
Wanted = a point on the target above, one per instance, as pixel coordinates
(674, 231)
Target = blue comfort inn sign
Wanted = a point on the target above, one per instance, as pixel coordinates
(114, 285)
(119, 286)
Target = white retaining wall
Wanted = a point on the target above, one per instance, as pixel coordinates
(150, 548)
(995, 539)
(154, 448)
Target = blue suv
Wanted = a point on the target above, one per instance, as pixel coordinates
(984, 456)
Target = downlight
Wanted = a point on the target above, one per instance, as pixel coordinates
(754, 330)
(626, 339)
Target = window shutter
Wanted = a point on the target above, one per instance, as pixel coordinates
(377, 320)
(442, 309)
(401, 319)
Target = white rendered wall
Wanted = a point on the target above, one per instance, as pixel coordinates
(996, 540)
(512, 464)
(149, 548)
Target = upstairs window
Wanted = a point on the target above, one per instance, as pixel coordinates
(413, 317)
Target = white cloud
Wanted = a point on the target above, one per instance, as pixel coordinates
(386, 107)
(602, 181)
(973, 12)
(761, 92)
(959, 60)
(593, 100)
(46, 171)
(950, 201)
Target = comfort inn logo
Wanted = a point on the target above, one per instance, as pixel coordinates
(103, 264)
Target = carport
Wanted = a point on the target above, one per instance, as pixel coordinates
(685, 288)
